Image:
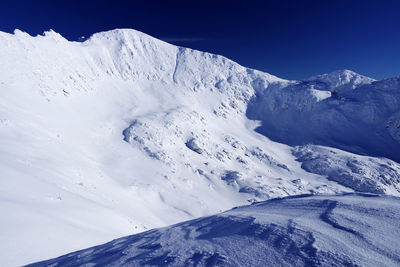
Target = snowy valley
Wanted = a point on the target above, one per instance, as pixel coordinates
(123, 133)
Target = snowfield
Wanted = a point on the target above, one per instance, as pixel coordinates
(123, 133)
(342, 230)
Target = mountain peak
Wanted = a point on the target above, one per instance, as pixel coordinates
(124, 35)
(342, 79)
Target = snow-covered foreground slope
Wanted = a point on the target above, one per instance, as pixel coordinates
(123, 133)
(343, 230)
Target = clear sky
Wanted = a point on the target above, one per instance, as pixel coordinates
(290, 39)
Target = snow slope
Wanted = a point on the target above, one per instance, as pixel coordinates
(123, 133)
(344, 230)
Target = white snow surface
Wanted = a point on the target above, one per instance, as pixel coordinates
(342, 230)
(341, 80)
(124, 132)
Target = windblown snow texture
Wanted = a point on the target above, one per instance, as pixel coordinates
(344, 230)
(123, 132)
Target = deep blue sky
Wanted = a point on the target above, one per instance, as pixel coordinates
(290, 39)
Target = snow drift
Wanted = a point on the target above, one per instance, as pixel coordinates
(345, 230)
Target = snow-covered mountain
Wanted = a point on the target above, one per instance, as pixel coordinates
(343, 230)
(341, 80)
(124, 132)
(352, 113)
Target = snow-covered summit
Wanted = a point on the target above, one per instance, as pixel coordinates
(124, 132)
(341, 80)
